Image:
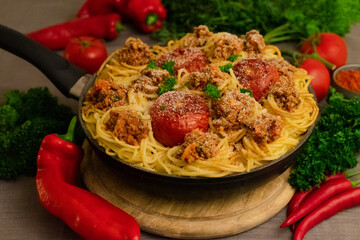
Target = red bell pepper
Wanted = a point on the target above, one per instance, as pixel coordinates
(89, 215)
(148, 15)
(58, 36)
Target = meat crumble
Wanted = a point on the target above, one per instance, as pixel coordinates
(127, 126)
(150, 79)
(228, 45)
(254, 43)
(106, 94)
(233, 111)
(285, 93)
(210, 74)
(266, 128)
(135, 53)
(199, 145)
(198, 38)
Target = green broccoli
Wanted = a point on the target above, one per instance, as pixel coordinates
(25, 119)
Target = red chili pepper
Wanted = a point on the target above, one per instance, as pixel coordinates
(326, 191)
(89, 215)
(340, 202)
(147, 14)
(58, 36)
(300, 196)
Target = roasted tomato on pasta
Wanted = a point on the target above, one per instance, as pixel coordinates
(176, 113)
(208, 104)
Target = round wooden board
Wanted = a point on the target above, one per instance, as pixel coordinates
(187, 216)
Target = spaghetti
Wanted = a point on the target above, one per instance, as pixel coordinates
(237, 150)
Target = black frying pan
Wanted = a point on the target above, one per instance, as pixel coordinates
(74, 82)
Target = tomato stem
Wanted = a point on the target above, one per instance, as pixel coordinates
(298, 58)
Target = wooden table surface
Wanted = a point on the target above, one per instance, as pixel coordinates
(22, 216)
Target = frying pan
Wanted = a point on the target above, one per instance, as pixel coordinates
(75, 83)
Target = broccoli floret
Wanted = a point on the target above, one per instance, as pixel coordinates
(25, 119)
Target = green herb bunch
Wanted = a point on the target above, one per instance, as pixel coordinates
(276, 20)
(333, 145)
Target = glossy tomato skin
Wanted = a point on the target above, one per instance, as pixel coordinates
(192, 59)
(176, 113)
(321, 77)
(87, 53)
(256, 75)
(330, 47)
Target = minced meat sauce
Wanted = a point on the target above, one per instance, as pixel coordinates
(106, 94)
(127, 126)
(233, 111)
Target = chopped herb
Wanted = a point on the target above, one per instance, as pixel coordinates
(152, 64)
(233, 58)
(226, 68)
(116, 98)
(187, 85)
(167, 86)
(246, 90)
(169, 66)
(139, 116)
(162, 107)
(212, 91)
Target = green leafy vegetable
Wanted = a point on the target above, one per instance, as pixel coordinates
(233, 58)
(212, 91)
(246, 90)
(25, 119)
(167, 86)
(169, 66)
(333, 145)
(152, 64)
(293, 19)
(226, 68)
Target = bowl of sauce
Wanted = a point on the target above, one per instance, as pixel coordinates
(346, 80)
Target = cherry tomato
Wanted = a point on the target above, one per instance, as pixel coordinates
(87, 53)
(256, 75)
(176, 113)
(329, 46)
(321, 77)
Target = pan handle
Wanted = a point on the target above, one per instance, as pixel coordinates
(60, 72)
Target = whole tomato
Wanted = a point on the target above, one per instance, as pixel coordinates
(87, 53)
(329, 46)
(321, 77)
(176, 113)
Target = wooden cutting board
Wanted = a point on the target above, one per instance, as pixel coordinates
(187, 216)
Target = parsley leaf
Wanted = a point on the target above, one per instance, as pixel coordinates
(169, 66)
(212, 91)
(233, 58)
(247, 90)
(152, 64)
(226, 68)
(167, 86)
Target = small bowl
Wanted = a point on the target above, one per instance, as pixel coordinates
(346, 92)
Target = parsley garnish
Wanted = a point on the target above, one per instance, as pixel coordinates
(226, 68)
(233, 58)
(169, 66)
(152, 64)
(167, 86)
(162, 107)
(212, 91)
(247, 90)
